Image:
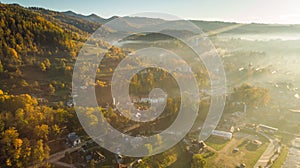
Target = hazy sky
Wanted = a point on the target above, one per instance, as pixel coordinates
(261, 11)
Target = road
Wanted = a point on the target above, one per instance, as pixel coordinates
(59, 155)
(64, 164)
(54, 158)
(269, 152)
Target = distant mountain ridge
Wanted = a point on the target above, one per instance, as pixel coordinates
(87, 24)
(91, 17)
(207, 26)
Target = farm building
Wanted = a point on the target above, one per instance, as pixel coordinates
(266, 128)
(223, 134)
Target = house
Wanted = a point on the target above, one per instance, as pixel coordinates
(73, 139)
(70, 103)
(257, 143)
(152, 100)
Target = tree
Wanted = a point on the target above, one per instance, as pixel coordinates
(41, 132)
(251, 95)
(56, 130)
(159, 139)
(47, 63)
(43, 67)
(26, 152)
(1, 67)
(149, 148)
(198, 161)
(92, 163)
(11, 147)
(13, 56)
(51, 89)
(141, 164)
(40, 152)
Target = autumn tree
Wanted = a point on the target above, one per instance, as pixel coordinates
(51, 89)
(251, 95)
(198, 161)
(41, 152)
(11, 148)
(43, 67)
(41, 132)
(1, 67)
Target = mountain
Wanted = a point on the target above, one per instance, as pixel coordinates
(91, 17)
(69, 21)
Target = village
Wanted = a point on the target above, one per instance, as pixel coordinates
(233, 138)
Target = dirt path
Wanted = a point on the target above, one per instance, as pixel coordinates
(64, 164)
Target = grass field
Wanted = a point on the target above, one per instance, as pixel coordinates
(252, 156)
(248, 152)
(216, 142)
(282, 157)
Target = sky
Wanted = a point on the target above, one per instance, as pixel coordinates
(244, 11)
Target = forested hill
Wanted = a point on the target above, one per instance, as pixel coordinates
(25, 33)
(68, 22)
(35, 58)
(33, 49)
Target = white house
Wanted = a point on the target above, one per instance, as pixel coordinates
(73, 139)
(223, 134)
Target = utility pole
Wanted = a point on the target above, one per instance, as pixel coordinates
(245, 108)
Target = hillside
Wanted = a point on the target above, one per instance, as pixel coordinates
(26, 33)
(68, 22)
(32, 50)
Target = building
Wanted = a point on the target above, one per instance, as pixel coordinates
(70, 103)
(257, 142)
(222, 134)
(266, 128)
(73, 139)
(152, 100)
